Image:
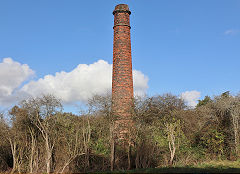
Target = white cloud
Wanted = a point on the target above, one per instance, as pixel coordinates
(77, 85)
(140, 83)
(191, 98)
(82, 82)
(12, 75)
(231, 32)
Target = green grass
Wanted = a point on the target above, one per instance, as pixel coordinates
(207, 167)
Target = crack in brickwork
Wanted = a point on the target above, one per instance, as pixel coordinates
(122, 80)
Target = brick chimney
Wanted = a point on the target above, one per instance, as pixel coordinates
(122, 80)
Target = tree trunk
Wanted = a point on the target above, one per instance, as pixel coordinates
(65, 165)
(86, 141)
(172, 150)
(112, 142)
(86, 164)
(112, 154)
(48, 155)
(129, 157)
(14, 154)
(235, 120)
(19, 160)
(137, 159)
(171, 141)
(33, 144)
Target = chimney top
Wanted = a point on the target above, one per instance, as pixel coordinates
(122, 8)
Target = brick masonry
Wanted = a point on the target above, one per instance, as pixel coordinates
(122, 80)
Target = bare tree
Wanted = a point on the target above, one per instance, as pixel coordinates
(5, 150)
(235, 115)
(41, 111)
(33, 156)
(112, 142)
(228, 106)
(235, 120)
(173, 131)
(101, 106)
(17, 148)
(70, 140)
(17, 138)
(86, 134)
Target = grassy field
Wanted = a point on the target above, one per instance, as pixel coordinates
(207, 167)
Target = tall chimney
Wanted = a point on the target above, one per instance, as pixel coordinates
(122, 80)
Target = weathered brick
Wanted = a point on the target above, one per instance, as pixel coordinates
(122, 80)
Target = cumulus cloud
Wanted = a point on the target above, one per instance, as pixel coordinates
(231, 32)
(12, 75)
(81, 83)
(140, 83)
(77, 85)
(191, 98)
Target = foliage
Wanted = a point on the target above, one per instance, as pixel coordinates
(213, 142)
(205, 101)
(41, 138)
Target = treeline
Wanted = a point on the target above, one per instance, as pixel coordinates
(42, 138)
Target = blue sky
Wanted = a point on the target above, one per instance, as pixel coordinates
(179, 45)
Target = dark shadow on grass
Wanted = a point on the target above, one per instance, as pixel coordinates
(183, 170)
